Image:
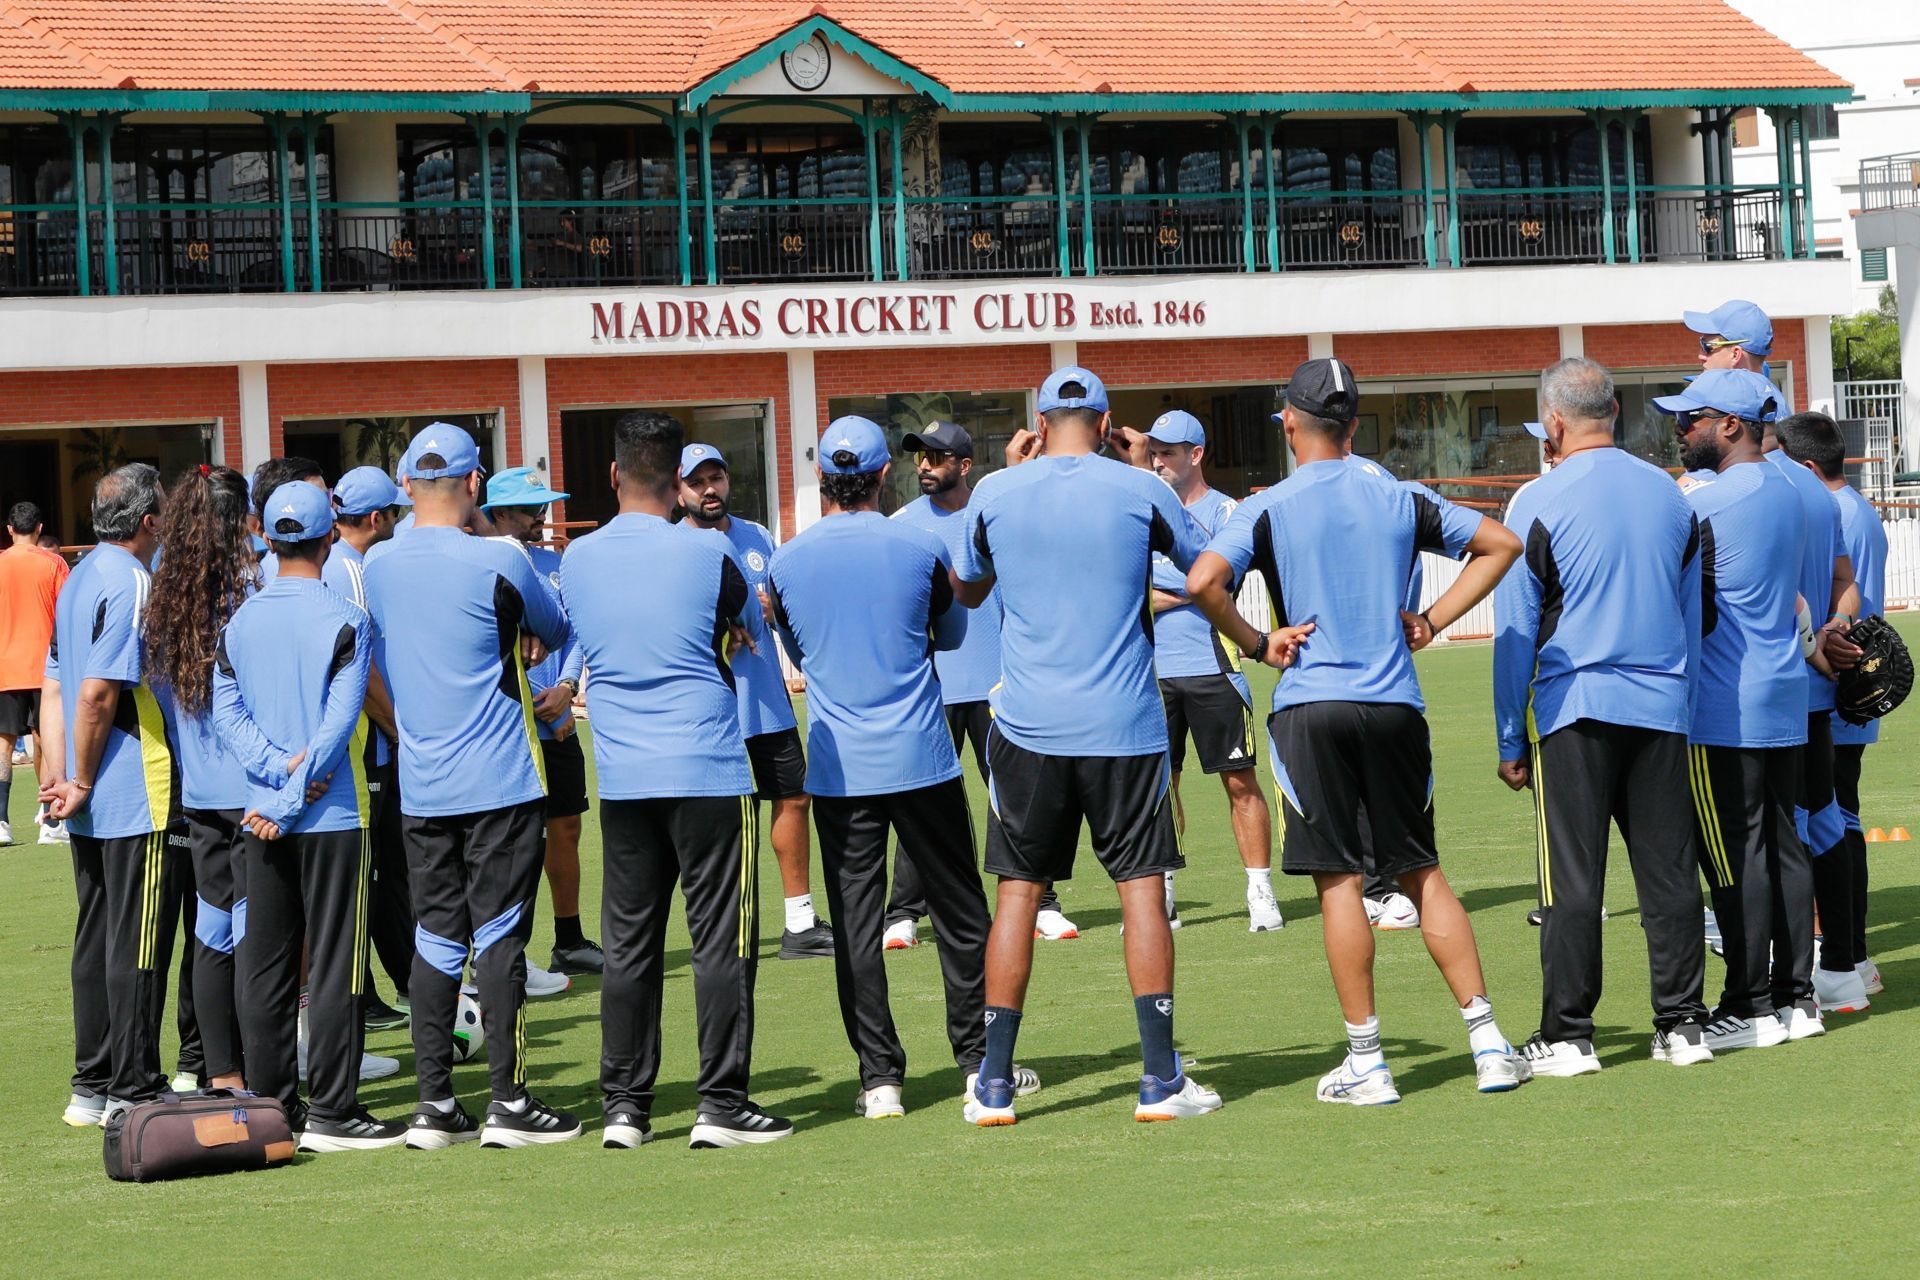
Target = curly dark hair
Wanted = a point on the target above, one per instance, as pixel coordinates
(206, 570)
(849, 491)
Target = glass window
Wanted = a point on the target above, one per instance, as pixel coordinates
(990, 417)
(1158, 157)
(1007, 159)
(213, 164)
(1458, 430)
(36, 165)
(1339, 155)
(56, 468)
(789, 162)
(1823, 122)
(739, 431)
(1245, 449)
(442, 164)
(1499, 152)
(341, 444)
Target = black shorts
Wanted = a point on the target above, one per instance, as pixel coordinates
(566, 776)
(19, 712)
(1334, 759)
(1037, 803)
(1219, 717)
(779, 765)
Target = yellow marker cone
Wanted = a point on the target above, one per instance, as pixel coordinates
(1875, 835)
(1899, 833)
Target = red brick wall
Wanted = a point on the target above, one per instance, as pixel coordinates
(1674, 346)
(659, 380)
(884, 371)
(392, 388)
(126, 395)
(1194, 362)
(1446, 353)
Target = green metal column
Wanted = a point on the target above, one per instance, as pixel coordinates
(83, 252)
(1247, 262)
(513, 124)
(1604, 121)
(1087, 266)
(109, 233)
(1783, 170)
(706, 195)
(900, 268)
(1448, 121)
(1423, 125)
(289, 276)
(1631, 125)
(1061, 246)
(680, 195)
(1267, 171)
(311, 147)
(483, 126)
(874, 261)
(1805, 219)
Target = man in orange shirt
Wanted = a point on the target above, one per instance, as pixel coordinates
(30, 580)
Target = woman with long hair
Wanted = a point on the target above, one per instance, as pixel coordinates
(205, 571)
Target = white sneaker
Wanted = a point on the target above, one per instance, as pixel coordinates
(1683, 1046)
(544, 982)
(1803, 1020)
(54, 832)
(1733, 1032)
(85, 1110)
(6, 831)
(375, 1067)
(882, 1102)
(1025, 1081)
(1501, 1070)
(992, 1110)
(1375, 909)
(1397, 912)
(1054, 927)
(1159, 1100)
(1173, 912)
(1263, 910)
(1370, 1088)
(1870, 976)
(1840, 992)
(184, 1083)
(1559, 1057)
(900, 935)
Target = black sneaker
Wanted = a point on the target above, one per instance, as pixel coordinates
(625, 1130)
(358, 1132)
(378, 1015)
(808, 944)
(533, 1125)
(297, 1118)
(429, 1130)
(745, 1126)
(584, 957)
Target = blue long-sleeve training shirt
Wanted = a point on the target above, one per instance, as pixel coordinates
(564, 663)
(290, 677)
(967, 674)
(449, 609)
(1600, 619)
(863, 602)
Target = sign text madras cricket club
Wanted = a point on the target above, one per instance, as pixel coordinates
(1032, 313)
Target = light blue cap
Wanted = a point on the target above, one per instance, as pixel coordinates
(853, 446)
(364, 490)
(1538, 430)
(459, 455)
(694, 455)
(1094, 397)
(297, 512)
(1741, 392)
(1177, 426)
(1743, 322)
(519, 487)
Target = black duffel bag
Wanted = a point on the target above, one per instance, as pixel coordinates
(184, 1135)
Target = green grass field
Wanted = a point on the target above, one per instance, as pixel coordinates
(1785, 1160)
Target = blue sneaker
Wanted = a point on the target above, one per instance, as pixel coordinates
(1177, 1099)
(989, 1102)
(1370, 1088)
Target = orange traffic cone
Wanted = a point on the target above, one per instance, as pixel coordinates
(1899, 833)
(1875, 835)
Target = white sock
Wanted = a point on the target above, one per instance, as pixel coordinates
(1363, 1044)
(443, 1105)
(800, 917)
(1483, 1034)
(1260, 876)
(516, 1106)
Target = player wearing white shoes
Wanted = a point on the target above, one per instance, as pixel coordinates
(1199, 673)
(1335, 543)
(1596, 636)
(30, 582)
(1079, 732)
(944, 468)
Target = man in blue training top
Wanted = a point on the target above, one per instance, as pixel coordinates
(517, 501)
(657, 608)
(289, 680)
(766, 712)
(1749, 704)
(1079, 731)
(1200, 679)
(1814, 441)
(944, 470)
(107, 773)
(1335, 543)
(1596, 634)
(460, 619)
(857, 597)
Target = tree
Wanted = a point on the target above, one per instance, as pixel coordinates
(1876, 342)
(97, 451)
(385, 437)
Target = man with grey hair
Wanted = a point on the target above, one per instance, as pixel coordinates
(1597, 633)
(107, 772)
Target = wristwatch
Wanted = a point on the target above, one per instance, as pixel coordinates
(573, 685)
(1259, 651)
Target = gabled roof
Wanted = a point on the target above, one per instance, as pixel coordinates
(984, 53)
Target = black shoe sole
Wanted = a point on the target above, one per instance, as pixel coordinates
(796, 953)
(577, 970)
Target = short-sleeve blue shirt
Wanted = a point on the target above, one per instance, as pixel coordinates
(967, 674)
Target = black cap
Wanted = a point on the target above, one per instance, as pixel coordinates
(940, 437)
(1324, 388)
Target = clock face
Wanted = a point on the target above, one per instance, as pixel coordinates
(806, 66)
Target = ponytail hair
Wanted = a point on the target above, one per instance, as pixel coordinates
(206, 571)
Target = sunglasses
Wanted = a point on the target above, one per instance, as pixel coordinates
(1694, 417)
(932, 457)
(1710, 345)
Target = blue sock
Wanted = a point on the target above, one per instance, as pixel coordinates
(1155, 1014)
(1003, 1028)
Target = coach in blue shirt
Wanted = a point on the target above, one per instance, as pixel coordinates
(863, 602)
(1596, 633)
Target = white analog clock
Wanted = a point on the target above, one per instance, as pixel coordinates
(807, 65)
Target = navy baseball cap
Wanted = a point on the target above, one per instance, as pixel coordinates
(1742, 322)
(1093, 392)
(459, 455)
(853, 446)
(519, 487)
(298, 512)
(364, 490)
(695, 456)
(1177, 426)
(1325, 388)
(1741, 392)
(940, 437)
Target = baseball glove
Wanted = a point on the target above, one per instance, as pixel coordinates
(1883, 677)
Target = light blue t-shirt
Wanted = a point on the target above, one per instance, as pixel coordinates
(651, 604)
(1336, 543)
(759, 682)
(1750, 688)
(1823, 546)
(863, 602)
(967, 674)
(1184, 642)
(564, 663)
(1600, 619)
(1070, 541)
(1865, 537)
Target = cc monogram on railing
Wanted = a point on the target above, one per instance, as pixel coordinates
(793, 244)
(1709, 224)
(1531, 228)
(1169, 237)
(600, 246)
(199, 251)
(982, 242)
(1350, 233)
(402, 249)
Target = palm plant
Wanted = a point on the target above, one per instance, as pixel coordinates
(97, 451)
(385, 437)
